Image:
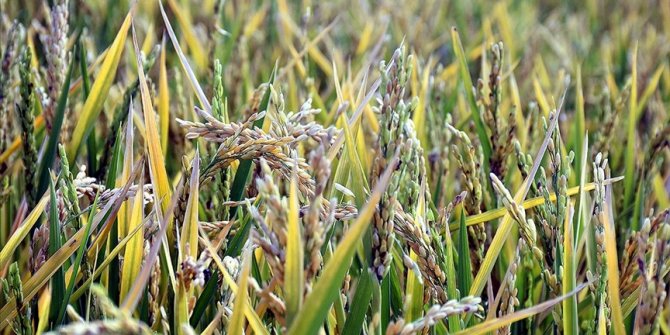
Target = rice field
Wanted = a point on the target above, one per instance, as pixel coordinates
(342, 167)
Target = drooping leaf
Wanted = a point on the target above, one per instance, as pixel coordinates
(497, 323)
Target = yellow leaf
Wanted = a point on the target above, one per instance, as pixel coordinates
(541, 98)
(294, 273)
(182, 59)
(498, 323)
(99, 90)
(651, 88)
(132, 258)
(188, 242)
(157, 171)
(236, 325)
(124, 212)
(16, 144)
(18, 236)
(612, 268)
(337, 144)
(189, 231)
(163, 101)
(43, 304)
(530, 203)
(254, 321)
(255, 21)
(105, 263)
(197, 50)
(506, 223)
(365, 38)
(33, 284)
(659, 191)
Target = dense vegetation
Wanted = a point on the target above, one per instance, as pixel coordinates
(346, 167)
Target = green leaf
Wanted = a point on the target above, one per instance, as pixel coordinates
(386, 300)
(240, 238)
(317, 304)
(464, 263)
(360, 303)
(569, 280)
(506, 223)
(579, 128)
(55, 243)
(497, 323)
(630, 154)
(99, 90)
(581, 199)
(114, 268)
(468, 87)
(77, 263)
(452, 291)
(91, 145)
(205, 299)
(54, 263)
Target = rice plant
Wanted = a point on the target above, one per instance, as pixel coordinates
(345, 167)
